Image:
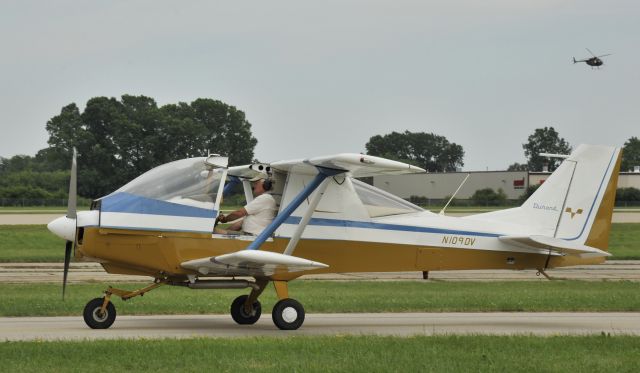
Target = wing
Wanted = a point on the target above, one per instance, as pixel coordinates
(556, 245)
(249, 171)
(251, 263)
(358, 165)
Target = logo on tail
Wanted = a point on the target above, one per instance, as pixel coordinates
(573, 213)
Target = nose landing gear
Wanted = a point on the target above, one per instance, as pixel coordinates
(100, 313)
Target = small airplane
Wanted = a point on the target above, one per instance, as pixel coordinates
(594, 61)
(161, 224)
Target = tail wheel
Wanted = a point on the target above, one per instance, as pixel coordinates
(240, 315)
(96, 319)
(288, 314)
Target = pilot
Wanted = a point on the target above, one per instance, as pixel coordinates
(257, 214)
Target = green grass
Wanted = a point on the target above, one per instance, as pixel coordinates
(29, 243)
(337, 296)
(330, 354)
(34, 243)
(624, 241)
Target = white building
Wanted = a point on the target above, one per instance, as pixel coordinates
(442, 185)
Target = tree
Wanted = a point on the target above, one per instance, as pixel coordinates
(544, 140)
(518, 167)
(629, 194)
(118, 140)
(432, 152)
(630, 154)
(489, 197)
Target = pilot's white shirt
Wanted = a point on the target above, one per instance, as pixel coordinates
(260, 212)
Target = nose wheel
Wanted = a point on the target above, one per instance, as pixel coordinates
(97, 315)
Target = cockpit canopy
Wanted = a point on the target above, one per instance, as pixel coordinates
(188, 182)
(181, 195)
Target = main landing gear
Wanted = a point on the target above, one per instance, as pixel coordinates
(287, 314)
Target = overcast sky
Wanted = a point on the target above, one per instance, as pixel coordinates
(317, 78)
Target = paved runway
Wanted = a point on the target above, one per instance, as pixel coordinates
(396, 324)
(627, 270)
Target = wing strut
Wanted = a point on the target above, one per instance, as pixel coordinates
(323, 173)
(305, 219)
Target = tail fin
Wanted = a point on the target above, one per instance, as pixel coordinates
(575, 203)
(574, 60)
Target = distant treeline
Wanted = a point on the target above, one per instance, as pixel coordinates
(117, 140)
(27, 177)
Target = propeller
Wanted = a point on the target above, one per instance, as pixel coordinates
(72, 215)
(67, 259)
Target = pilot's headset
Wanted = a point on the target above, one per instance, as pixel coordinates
(267, 184)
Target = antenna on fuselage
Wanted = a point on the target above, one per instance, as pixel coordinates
(454, 194)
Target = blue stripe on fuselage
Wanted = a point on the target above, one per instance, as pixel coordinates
(384, 226)
(131, 203)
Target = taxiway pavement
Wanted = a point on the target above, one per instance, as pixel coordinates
(395, 324)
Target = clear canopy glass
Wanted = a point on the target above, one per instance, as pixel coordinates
(380, 203)
(188, 182)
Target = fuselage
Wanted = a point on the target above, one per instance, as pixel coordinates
(419, 242)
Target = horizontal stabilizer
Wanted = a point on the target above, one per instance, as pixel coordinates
(251, 263)
(557, 245)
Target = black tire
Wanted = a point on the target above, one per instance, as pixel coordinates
(240, 316)
(288, 314)
(92, 317)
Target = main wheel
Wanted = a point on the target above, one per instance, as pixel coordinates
(94, 318)
(288, 314)
(239, 314)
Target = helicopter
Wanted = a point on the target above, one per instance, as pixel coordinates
(594, 61)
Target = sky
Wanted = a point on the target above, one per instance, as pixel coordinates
(318, 78)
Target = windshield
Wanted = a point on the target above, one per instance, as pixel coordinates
(188, 182)
(380, 203)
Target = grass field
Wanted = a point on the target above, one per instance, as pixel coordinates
(625, 241)
(29, 243)
(331, 354)
(336, 296)
(34, 243)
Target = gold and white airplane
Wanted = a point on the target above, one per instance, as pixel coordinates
(161, 225)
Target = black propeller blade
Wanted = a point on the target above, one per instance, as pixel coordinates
(67, 260)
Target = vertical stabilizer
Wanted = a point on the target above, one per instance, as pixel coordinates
(596, 228)
(575, 203)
